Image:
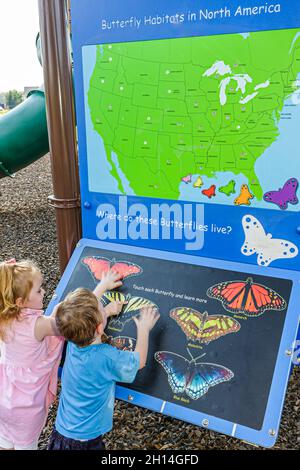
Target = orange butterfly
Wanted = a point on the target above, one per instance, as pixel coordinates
(246, 297)
(98, 265)
(244, 197)
(210, 192)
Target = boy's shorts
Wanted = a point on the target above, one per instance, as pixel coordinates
(59, 442)
(5, 444)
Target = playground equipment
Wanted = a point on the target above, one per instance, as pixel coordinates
(23, 131)
(23, 134)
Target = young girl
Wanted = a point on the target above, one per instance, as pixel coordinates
(30, 352)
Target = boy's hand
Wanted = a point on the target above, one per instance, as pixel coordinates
(147, 319)
(114, 308)
(111, 280)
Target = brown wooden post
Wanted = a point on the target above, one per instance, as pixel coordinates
(61, 125)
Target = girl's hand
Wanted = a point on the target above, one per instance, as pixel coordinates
(111, 280)
(114, 308)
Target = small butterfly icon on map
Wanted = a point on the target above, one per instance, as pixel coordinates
(244, 197)
(228, 189)
(187, 179)
(210, 192)
(198, 183)
(268, 249)
(284, 195)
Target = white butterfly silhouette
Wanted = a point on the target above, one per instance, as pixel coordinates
(268, 249)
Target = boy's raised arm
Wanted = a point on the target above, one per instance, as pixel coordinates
(144, 324)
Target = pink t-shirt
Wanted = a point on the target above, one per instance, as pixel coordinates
(28, 379)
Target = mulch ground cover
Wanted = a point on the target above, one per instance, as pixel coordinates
(28, 230)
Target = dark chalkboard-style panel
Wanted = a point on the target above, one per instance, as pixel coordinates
(215, 347)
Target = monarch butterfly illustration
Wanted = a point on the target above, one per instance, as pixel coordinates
(246, 297)
(99, 265)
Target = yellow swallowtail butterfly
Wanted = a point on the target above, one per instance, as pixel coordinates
(129, 310)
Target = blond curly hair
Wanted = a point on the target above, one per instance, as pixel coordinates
(16, 281)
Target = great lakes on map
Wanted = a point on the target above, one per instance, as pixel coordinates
(169, 109)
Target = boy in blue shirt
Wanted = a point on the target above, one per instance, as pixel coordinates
(92, 368)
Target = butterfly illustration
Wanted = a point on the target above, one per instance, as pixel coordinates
(228, 189)
(268, 249)
(129, 310)
(191, 377)
(210, 192)
(203, 327)
(284, 195)
(124, 343)
(187, 179)
(198, 183)
(244, 197)
(246, 297)
(99, 265)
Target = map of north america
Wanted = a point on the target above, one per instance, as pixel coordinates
(174, 111)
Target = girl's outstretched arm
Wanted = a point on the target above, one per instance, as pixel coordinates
(46, 326)
(110, 280)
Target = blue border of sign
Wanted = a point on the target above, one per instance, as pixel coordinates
(268, 434)
(86, 30)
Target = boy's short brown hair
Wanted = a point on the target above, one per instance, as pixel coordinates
(78, 316)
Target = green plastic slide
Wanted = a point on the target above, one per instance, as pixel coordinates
(23, 134)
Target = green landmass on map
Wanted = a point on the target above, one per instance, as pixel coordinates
(160, 107)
